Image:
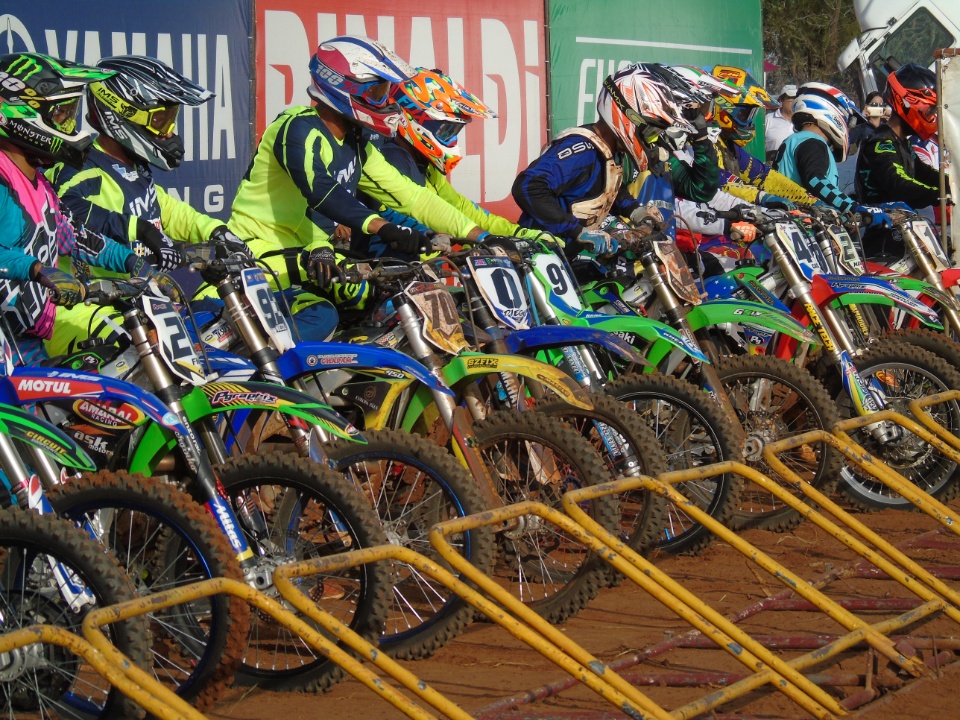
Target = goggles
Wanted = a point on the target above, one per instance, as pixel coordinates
(375, 93)
(742, 114)
(62, 115)
(160, 121)
(445, 131)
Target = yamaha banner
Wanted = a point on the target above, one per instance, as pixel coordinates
(208, 42)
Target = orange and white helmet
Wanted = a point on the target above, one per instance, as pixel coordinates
(639, 107)
(437, 108)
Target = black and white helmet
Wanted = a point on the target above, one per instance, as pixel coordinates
(138, 107)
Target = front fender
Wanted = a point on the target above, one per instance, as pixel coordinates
(649, 330)
(467, 367)
(555, 336)
(909, 285)
(717, 312)
(872, 291)
(219, 397)
(311, 357)
(53, 441)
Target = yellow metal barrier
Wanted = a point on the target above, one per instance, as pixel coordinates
(189, 593)
(727, 636)
(139, 686)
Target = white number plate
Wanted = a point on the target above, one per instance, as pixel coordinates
(501, 288)
(258, 292)
(553, 273)
(176, 348)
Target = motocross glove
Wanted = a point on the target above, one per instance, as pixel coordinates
(403, 239)
(229, 244)
(321, 266)
(166, 256)
(64, 288)
(599, 242)
(743, 232)
(877, 217)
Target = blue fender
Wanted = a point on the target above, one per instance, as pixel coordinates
(30, 385)
(554, 336)
(311, 357)
(867, 286)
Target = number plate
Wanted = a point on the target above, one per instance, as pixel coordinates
(176, 347)
(678, 274)
(805, 252)
(553, 274)
(501, 288)
(928, 240)
(440, 323)
(265, 307)
(848, 255)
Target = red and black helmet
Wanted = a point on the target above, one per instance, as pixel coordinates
(912, 93)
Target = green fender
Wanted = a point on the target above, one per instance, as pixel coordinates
(909, 284)
(217, 398)
(467, 368)
(716, 312)
(37, 432)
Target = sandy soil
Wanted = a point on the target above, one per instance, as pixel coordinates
(625, 626)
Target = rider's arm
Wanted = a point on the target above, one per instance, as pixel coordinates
(565, 167)
(181, 222)
(380, 180)
(888, 175)
(812, 158)
(493, 224)
(15, 264)
(88, 194)
(732, 184)
(699, 181)
(758, 173)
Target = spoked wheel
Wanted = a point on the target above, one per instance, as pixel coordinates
(903, 372)
(774, 400)
(413, 484)
(628, 448)
(291, 509)
(534, 457)
(51, 573)
(692, 431)
(166, 540)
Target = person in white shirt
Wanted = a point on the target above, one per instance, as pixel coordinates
(777, 125)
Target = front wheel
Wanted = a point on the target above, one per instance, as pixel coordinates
(904, 373)
(693, 432)
(413, 484)
(52, 573)
(774, 400)
(291, 509)
(628, 448)
(534, 457)
(165, 540)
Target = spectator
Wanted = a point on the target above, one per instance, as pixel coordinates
(777, 125)
(876, 111)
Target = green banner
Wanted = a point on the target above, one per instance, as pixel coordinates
(589, 41)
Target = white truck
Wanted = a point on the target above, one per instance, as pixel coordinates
(899, 30)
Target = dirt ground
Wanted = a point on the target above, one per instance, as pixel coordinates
(627, 628)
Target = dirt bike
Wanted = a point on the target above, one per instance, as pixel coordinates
(261, 504)
(863, 377)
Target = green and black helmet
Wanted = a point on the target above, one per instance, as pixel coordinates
(39, 103)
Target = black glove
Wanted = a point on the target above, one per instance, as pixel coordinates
(138, 267)
(230, 243)
(699, 123)
(402, 238)
(321, 266)
(166, 256)
(64, 288)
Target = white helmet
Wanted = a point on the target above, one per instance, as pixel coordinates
(639, 107)
(826, 115)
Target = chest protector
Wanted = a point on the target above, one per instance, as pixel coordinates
(593, 211)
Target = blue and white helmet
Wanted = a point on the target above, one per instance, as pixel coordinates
(814, 108)
(354, 75)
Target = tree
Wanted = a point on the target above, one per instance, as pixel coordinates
(803, 38)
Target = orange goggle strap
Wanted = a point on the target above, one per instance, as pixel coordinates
(128, 111)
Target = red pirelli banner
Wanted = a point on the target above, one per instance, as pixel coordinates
(496, 49)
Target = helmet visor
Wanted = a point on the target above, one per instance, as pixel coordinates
(445, 131)
(743, 114)
(375, 93)
(162, 121)
(62, 115)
